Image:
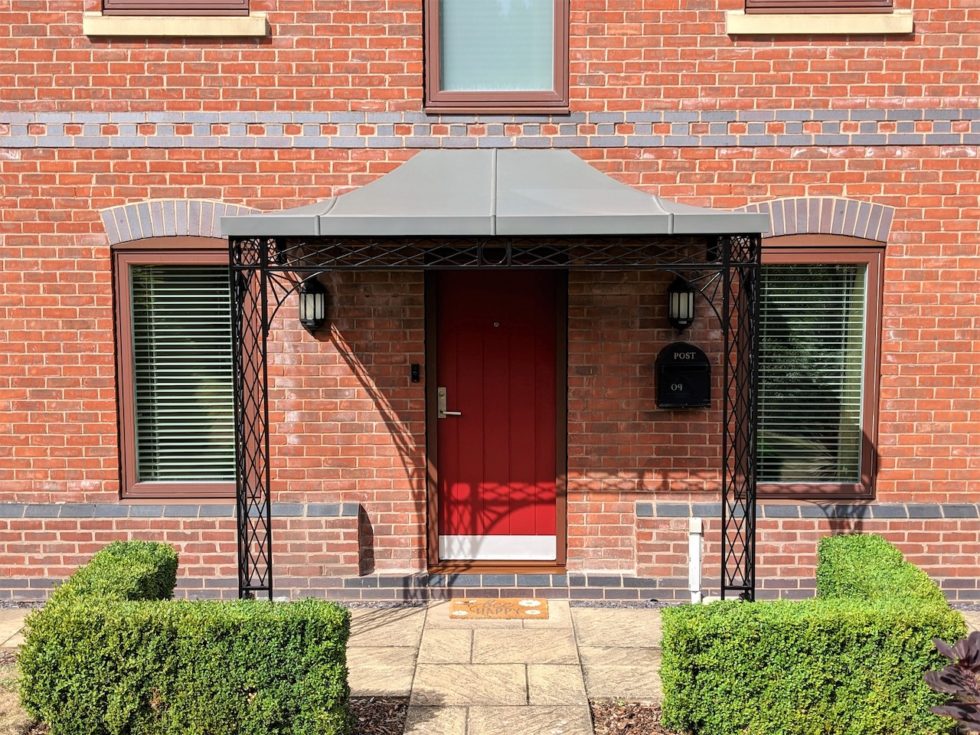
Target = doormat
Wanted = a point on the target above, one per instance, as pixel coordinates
(498, 608)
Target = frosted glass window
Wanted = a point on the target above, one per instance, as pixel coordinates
(497, 45)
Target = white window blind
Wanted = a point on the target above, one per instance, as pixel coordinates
(497, 45)
(182, 373)
(812, 330)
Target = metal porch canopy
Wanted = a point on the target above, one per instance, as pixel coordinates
(464, 209)
(492, 193)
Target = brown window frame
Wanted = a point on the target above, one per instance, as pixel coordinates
(832, 250)
(152, 251)
(175, 7)
(546, 102)
(812, 7)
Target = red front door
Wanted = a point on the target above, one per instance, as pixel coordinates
(496, 369)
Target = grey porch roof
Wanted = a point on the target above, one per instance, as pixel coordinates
(493, 192)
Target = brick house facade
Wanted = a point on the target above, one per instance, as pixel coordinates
(119, 144)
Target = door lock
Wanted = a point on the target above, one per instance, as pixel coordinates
(441, 411)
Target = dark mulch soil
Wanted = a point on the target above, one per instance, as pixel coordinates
(615, 717)
(379, 715)
(7, 656)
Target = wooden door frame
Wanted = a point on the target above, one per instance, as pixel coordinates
(432, 445)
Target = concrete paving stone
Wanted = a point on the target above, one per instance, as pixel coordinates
(555, 685)
(16, 641)
(438, 617)
(610, 656)
(467, 684)
(624, 628)
(446, 646)
(436, 721)
(381, 672)
(638, 683)
(11, 623)
(14, 614)
(530, 720)
(390, 626)
(525, 646)
(559, 616)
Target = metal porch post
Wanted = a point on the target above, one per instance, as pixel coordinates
(740, 327)
(249, 261)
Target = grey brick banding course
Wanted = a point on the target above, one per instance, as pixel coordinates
(170, 510)
(644, 509)
(828, 510)
(728, 128)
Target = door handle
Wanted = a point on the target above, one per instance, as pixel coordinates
(441, 411)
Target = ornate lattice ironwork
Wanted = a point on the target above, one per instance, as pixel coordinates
(265, 271)
(739, 320)
(250, 329)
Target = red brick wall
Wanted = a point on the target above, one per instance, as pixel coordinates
(347, 423)
(368, 56)
(620, 446)
(787, 551)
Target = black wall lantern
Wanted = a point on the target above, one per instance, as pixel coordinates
(312, 304)
(680, 304)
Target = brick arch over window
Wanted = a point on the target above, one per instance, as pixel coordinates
(826, 216)
(167, 218)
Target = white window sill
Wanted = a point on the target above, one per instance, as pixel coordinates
(187, 26)
(738, 22)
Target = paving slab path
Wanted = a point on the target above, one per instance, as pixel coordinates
(11, 626)
(485, 677)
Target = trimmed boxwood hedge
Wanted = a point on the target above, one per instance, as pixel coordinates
(124, 570)
(849, 662)
(867, 567)
(96, 661)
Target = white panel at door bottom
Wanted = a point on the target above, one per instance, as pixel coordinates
(498, 548)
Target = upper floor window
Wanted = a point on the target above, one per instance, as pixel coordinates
(176, 400)
(818, 6)
(818, 370)
(496, 55)
(175, 7)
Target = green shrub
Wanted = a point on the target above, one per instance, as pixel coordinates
(868, 567)
(96, 661)
(188, 667)
(124, 570)
(850, 662)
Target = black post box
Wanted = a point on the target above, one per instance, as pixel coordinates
(683, 377)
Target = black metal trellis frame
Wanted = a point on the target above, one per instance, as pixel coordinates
(724, 269)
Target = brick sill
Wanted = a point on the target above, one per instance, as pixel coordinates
(738, 22)
(176, 26)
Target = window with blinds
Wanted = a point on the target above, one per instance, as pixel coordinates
(182, 373)
(811, 372)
